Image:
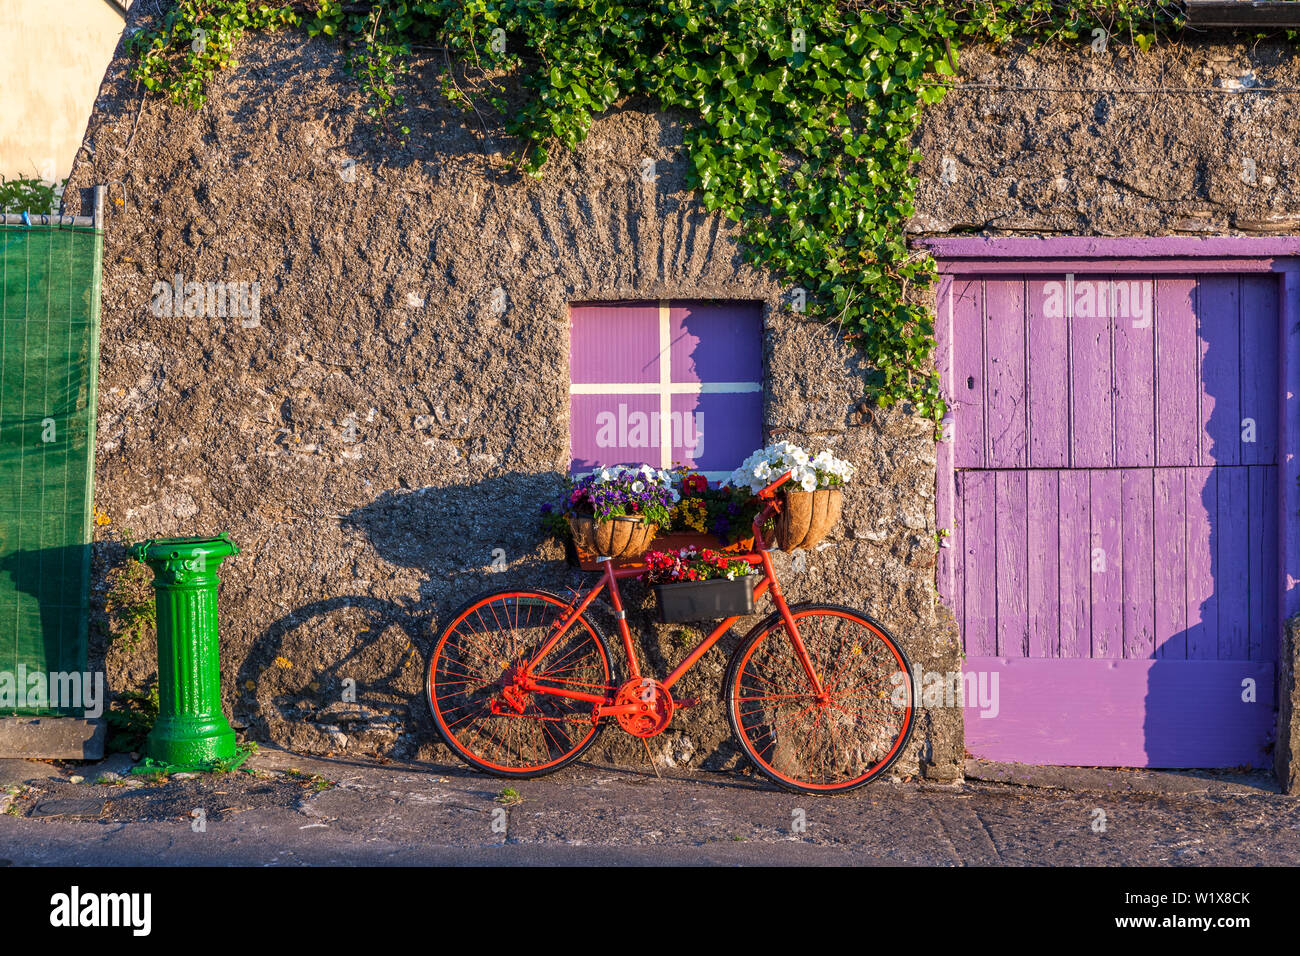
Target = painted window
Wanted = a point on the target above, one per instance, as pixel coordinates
(666, 383)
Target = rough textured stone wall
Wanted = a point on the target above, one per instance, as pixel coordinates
(1197, 137)
(1286, 751)
(377, 264)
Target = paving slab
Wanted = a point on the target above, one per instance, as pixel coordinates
(16, 771)
(54, 738)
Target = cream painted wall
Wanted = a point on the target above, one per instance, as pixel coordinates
(53, 54)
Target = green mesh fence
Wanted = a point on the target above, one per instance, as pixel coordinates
(49, 333)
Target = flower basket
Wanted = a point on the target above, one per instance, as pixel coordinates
(619, 537)
(705, 600)
(807, 516)
(812, 500)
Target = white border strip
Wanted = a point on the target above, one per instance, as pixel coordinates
(652, 388)
(665, 386)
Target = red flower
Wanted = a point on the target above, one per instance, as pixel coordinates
(694, 484)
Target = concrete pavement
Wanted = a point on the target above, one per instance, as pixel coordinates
(289, 810)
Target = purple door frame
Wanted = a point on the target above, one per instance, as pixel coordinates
(968, 256)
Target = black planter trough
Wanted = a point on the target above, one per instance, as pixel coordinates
(704, 600)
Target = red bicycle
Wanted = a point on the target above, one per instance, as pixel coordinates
(819, 696)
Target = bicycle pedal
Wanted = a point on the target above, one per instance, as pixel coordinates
(685, 702)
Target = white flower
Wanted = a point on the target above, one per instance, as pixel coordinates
(765, 465)
(638, 486)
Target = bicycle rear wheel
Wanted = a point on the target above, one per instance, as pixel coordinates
(847, 738)
(480, 711)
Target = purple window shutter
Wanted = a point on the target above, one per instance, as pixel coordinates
(614, 342)
(665, 384)
(716, 342)
(612, 429)
(716, 432)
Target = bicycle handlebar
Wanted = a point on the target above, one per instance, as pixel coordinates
(773, 507)
(770, 491)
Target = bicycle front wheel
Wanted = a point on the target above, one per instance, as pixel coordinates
(846, 738)
(482, 713)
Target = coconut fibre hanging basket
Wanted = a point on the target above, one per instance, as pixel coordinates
(615, 538)
(807, 516)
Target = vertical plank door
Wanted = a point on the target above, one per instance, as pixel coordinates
(1113, 548)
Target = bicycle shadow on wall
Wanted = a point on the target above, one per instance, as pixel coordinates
(353, 663)
(1210, 698)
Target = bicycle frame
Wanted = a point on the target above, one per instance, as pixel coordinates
(607, 706)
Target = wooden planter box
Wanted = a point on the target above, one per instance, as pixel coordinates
(705, 600)
(580, 557)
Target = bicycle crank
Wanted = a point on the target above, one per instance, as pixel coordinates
(642, 706)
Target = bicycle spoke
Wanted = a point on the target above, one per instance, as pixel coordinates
(831, 742)
(486, 714)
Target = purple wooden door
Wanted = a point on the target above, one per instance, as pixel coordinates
(665, 383)
(1113, 555)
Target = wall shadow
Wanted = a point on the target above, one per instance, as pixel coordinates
(1228, 544)
(370, 651)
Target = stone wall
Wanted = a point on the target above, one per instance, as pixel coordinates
(1191, 138)
(377, 263)
(1286, 750)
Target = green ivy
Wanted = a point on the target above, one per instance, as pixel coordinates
(802, 113)
(196, 39)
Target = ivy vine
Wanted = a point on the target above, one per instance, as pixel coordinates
(802, 113)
